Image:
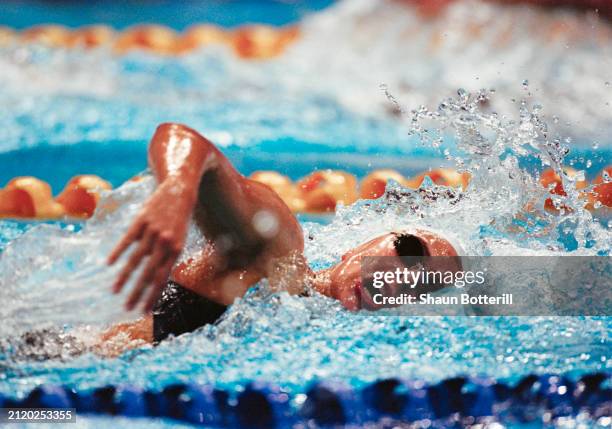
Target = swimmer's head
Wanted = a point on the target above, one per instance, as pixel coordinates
(346, 276)
(420, 242)
(438, 253)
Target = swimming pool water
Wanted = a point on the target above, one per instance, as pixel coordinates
(120, 14)
(290, 340)
(60, 123)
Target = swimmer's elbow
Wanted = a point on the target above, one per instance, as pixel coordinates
(176, 146)
(176, 128)
(180, 133)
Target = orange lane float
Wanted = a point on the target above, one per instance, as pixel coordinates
(81, 195)
(319, 192)
(28, 197)
(442, 177)
(248, 42)
(262, 41)
(283, 186)
(375, 183)
(202, 35)
(155, 38)
(551, 181)
(55, 36)
(601, 195)
(7, 35)
(323, 190)
(92, 36)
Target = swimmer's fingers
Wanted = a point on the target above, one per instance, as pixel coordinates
(159, 281)
(133, 234)
(158, 257)
(145, 247)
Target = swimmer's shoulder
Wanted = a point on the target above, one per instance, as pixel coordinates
(273, 213)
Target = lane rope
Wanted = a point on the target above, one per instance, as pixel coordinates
(266, 405)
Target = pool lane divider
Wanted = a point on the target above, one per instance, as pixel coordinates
(247, 42)
(264, 405)
(317, 193)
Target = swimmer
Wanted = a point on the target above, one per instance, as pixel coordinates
(252, 235)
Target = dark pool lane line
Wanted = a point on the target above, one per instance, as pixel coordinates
(534, 399)
(172, 13)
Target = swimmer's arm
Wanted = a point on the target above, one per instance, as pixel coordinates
(139, 330)
(124, 336)
(179, 157)
(181, 154)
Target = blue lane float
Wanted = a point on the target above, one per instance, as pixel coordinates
(264, 405)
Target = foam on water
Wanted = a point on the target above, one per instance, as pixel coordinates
(472, 45)
(490, 147)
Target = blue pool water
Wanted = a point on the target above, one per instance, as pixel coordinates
(175, 14)
(119, 161)
(62, 122)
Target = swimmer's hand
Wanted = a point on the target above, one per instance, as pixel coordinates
(158, 232)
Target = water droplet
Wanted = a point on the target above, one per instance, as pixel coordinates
(463, 94)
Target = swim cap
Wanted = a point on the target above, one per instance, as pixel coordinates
(420, 249)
